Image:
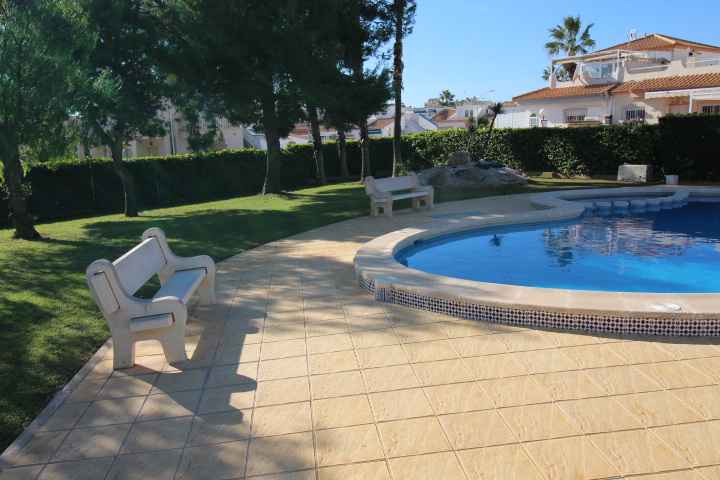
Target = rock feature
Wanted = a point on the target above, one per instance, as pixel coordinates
(473, 175)
(459, 158)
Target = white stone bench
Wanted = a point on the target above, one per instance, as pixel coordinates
(381, 196)
(161, 318)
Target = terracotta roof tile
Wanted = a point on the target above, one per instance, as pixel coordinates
(671, 83)
(659, 42)
(561, 92)
(381, 122)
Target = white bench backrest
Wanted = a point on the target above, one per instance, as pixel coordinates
(393, 183)
(138, 265)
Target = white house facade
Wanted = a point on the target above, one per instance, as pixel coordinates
(636, 81)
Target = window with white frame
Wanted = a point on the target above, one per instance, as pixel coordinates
(714, 108)
(469, 113)
(634, 114)
(534, 120)
(575, 115)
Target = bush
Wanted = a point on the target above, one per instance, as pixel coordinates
(690, 146)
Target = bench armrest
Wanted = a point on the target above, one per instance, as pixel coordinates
(175, 262)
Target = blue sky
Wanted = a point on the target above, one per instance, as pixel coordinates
(472, 46)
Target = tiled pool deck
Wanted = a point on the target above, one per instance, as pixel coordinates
(297, 374)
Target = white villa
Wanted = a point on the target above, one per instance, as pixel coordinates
(639, 80)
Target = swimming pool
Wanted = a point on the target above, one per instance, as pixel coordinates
(668, 251)
(656, 313)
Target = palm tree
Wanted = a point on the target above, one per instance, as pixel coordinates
(559, 72)
(447, 99)
(402, 14)
(565, 40)
(498, 108)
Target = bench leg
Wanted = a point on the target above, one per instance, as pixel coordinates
(174, 346)
(387, 208)
(123, 352)
(206, 290)
(374, 209)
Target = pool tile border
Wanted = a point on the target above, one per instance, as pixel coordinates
(380, 274)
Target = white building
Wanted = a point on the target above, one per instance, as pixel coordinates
(640, 81)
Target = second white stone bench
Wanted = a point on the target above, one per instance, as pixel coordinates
(382, 196)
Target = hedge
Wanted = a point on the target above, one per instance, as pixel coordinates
(688, 145)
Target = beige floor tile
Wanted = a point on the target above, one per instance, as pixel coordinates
(283, 349)
(368, 322)
(39, 449)
(249, 325)
(278, 319)
(79, 470)
(109, 412)
(226, 399)
(493, 366)
(640, 352)
(220, 427)
(326, 327)
(696, 443)
(284, 332)
(523, 341)
(381, 356)
(592, 356)
(356, 471)
(399, 405)
(476, 346)
(561, 338)
(538, 422)
(462, 328)
(336, 385)
(176, 381)
(155, 465)
(413, 437)
(621, 380)
(92, 442)
(226, 375)
(704, 400)
(241, 337)
(359, 309)
(324, 313)
(707, 473)
(86, 391)
(513, 391)
(332, 362)
(441, 372)
(104, 369)
(374, 338)
(348, 444)
(342, 412)
(675, 375)
(598, 415)
(211, 462)
(329, 343)
(457, 398)
(543, 361)
(567, 458)
(297, 475)
(176, 404)
(429, 351)
(281, 419)
(25, 473)
(389, 378)
(706, 366)
(434, 465)
(685, 348)
(636, 451)
(657, 408)
(476, 429)
(282, 368)
(568, 385)
(65, 417)
(157, 435)
(288, 390)
(280, 454)
(504, 462)
(118, 387)
(418, 333)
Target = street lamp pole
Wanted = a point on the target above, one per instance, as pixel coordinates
(477, 101)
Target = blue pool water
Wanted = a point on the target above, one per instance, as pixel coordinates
(670, 251)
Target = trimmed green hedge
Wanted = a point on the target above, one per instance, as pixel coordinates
(685, 144)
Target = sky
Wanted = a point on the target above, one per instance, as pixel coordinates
(471, 46)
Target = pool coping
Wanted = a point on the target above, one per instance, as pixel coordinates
(379, 273)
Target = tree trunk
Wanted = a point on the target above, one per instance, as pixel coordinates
(273, 181)
(23, 222)
(365, 149)
(397, 84)
(483, 154)
(131, 209)
(317, 145)
(342, 154)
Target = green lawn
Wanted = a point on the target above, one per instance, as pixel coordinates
(49, 323)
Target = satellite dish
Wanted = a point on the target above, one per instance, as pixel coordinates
(127, 153)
